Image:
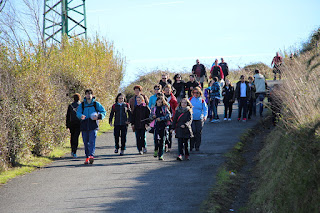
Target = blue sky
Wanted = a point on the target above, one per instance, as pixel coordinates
(171, 35)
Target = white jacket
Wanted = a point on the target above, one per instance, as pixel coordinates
(260, 83)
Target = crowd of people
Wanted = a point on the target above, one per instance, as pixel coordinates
(176, 106)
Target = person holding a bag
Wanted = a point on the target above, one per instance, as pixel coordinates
(160, 116)
(182, 124)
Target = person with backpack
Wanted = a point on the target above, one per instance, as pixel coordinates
(160, 116)
(225, 69)
(90, 111)
(261, 89)
(228, 99)
(199, 70)
(140, 121)
(122, 115)
(182, 121)
(215, 99)
(200, 112)
(73, 124)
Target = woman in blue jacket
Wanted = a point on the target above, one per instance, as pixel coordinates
(90, 111)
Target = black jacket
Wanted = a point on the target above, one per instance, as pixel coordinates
(225, 68)
(185, 119)
(237, 92)
(228, 94)
(72, 121)
(140, 116)
(203, 70)
(180, 89)
(121, 113)
(191, 84)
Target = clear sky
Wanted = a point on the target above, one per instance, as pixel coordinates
(172, 34)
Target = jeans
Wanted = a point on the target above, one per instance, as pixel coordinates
(140, 138)
(160, 139)
(145, 140)
(74, 140)
(195, 142)
(260, 98)
(243, 105)
(120, 131)
(183, 145)
(89, 141)
(214, 107)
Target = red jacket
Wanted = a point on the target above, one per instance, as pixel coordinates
(214, 73)
(173, 104)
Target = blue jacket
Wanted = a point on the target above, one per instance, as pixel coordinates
(88, 124)
(215, 91)
(200, 108)
(152, 101)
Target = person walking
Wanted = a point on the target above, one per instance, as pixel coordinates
(139, 122)
(200, 112)
(252, 96)
(182, 121)
(199, 70)
(277, 63)
(137, 91)
(261, 89)
(90, 111)
(228, 99)
(73, 123)
(215, 99)
(216, 71)
(190, 85)
(160, 116)
(207, 98)
(173, 104)
(225, 69)
(242, 95)
(122, 115)
(179, 85)
(152, 101)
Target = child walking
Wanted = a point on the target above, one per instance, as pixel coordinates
(122, 116)
(182, 123)
(228, 99)
(160, 115)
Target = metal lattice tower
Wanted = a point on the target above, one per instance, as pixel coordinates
(64, 18)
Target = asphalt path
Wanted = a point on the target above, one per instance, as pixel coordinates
(129, 183)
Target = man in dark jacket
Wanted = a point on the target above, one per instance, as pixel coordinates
(216, 71)
(165, 80)
(242, 94)
(199, 70)
(225, 68)
(190, 85)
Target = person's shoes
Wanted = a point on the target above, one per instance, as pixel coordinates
(197, 149)
(91, 159)
(155, 154)
(116, 151)
(161, 158)
(186, 157)
(166, 148)
(244, 120)
(72, 154)
(239, 119)
(144, 150)
(169, 150)
(179, 158)
(121, 152)
(225, 119)
(140, 152)
(75, 155)
(229, 119)
(86, 161)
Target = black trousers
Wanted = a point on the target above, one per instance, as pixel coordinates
(169, 137)
(243, 106)
(74, 140)
(228, 107)
(250, 107)
(141, 138)
(120, 131)
(183, 145)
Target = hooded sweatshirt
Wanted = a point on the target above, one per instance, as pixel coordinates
(260, 83)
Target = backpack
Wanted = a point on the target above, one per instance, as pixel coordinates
(73, 114)
(94, 104)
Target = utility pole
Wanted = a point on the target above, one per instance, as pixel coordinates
(64, 18)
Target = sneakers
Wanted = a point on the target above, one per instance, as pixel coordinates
(140, 152)
(116, 151)
(215, 121)
(244, 120)
(161, 158)
(225, 119)
(86, 161)
(75, 156)
(186, 157)
(121, 152)
(179, 158)
(239, 119)
(144, 150)
(155, 154)
(229, 119)
(91, 159)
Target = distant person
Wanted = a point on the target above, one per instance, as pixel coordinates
(277, 63)
(180, 86)
(252, 96)
(215, 99)
(190, 85)
(225, 69)
(73, 123)
(207, 98)
(139, 122)
(242, 95)
(173, 104)
(228, 99)
(261, 89)
(199, 70)
(216, 71)
(182, 125)
(90, 111)
(137, 91)
(122, 115)
(200, 113)
(152, 101)
(160, 116)
(165, 80)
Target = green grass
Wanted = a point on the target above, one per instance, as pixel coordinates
(104, 127)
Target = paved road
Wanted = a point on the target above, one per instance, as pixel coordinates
(130, 183)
